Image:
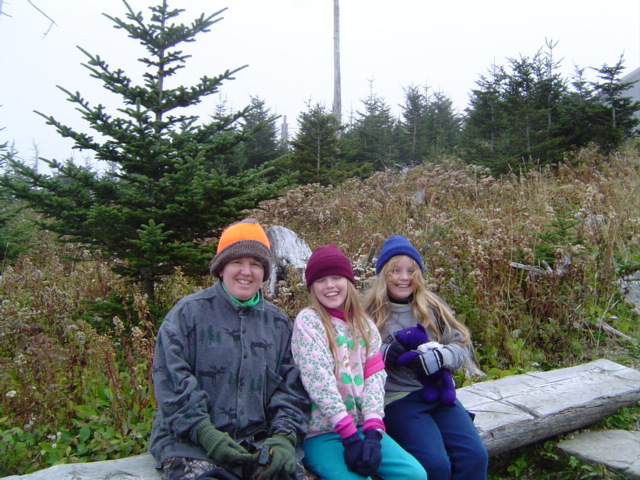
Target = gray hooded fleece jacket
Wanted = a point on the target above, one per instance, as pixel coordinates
(216, 359)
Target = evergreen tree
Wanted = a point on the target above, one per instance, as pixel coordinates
(522, 104)
(412, 135)
(262, 143)
(444, 124)
(260, 146)
(16, 230)
(551, 88)
(577, 113)
(616, 117)
(163, 194)
(316, 153)
(374, 134)
(528, 116)
(486, 120)
(229, 161)
(429, 125)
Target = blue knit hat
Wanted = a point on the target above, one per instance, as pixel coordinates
(397, 245)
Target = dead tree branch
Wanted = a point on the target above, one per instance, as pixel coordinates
(45, 16)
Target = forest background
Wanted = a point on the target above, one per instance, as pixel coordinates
(524, 208)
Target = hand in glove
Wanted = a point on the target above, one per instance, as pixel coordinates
(352, 451)
(220, 447)
(422, 363)
(283, 456)
(371, 455)
(392, 353)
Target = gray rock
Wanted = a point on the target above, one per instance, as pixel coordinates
(616, 449)
(629, 287)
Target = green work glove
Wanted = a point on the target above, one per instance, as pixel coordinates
(220, 447)
(283, 456)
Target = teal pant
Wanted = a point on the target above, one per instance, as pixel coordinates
(324, 455)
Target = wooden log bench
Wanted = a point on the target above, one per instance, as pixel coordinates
(510, 412)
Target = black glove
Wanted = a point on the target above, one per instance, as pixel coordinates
(283, 456)
(371, 455)
(429, 362)
(391, 354)
(352, 451)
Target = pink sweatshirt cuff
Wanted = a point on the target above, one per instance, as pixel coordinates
(345, 426)
(373, 424)
(373, 365)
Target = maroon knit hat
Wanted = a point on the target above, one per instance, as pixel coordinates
(327, 260)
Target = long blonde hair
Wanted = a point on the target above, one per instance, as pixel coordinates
(376, 304)
(354, 315)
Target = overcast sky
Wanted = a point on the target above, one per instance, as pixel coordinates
(288, 47)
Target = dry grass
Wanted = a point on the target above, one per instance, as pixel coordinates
(470, 228)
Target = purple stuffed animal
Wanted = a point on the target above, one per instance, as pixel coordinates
(439, 385)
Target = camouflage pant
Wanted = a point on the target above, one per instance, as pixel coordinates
(181, 468)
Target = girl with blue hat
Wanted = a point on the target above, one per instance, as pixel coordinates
(442, 437)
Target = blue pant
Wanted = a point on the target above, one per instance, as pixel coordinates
(323, 454)
(442, 437)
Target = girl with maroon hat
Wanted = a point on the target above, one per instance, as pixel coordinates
(336, 346)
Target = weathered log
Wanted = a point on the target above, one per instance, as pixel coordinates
(510, 412)
(140, 467)
(522, 409)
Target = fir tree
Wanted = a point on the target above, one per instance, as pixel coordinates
(412, 125)
(16, 230)
(262, 145)
(430, 125)
(316, 146)
(444, 124)
(486, 120)
(162, 196)
(616, 116)
(374, 134)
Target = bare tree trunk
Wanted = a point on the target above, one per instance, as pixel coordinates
(318, 155)
(337, 90)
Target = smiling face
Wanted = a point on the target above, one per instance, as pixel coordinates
(243, 277)
(400, 282)
(331, 291)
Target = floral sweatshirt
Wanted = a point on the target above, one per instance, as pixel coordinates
(355, 397)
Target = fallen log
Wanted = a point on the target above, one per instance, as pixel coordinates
(140, 467)
(522, 409)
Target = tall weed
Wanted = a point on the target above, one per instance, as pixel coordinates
(67, 392)
(483, 240)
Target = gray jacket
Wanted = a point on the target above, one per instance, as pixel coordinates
(402, 379)
(232, 364)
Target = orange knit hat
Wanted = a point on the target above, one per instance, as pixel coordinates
(243, 239)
